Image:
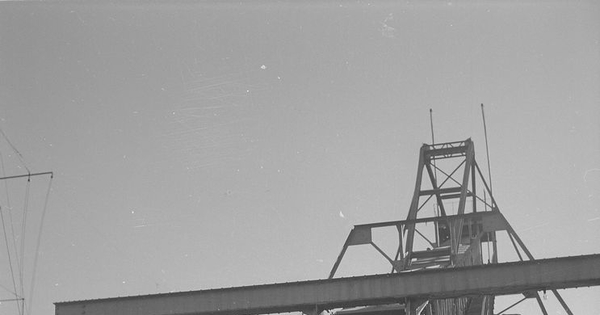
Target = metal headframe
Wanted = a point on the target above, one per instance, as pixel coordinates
(461, 232)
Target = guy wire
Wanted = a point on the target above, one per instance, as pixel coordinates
(38, 243)
(12, 272)
(19, 155)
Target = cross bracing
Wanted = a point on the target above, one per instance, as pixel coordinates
(446, 264)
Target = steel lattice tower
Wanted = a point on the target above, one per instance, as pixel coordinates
(441, 264)
(462, 232)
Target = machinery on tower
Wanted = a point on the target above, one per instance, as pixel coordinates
(442, 264)
(462, 232)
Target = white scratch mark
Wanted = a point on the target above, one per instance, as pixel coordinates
(535, 227)
(386, 30)
(588, 171)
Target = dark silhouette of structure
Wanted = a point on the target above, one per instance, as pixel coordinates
(445, 264)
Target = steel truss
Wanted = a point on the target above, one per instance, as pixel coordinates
(316, 296)
(448, 180)
(445, 264)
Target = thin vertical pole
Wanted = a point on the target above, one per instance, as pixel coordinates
(487, 150)
(431, 124)
(432, 142)
(435, 224)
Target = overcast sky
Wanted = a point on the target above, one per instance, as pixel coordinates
(200, 146)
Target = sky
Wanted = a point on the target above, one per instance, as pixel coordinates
(218, 144)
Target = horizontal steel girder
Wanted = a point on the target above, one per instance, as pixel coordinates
(497, 279)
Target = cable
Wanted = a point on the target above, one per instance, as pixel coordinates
(14, 243)
(12, 226)
(19, 155)
(37, 246)
(20, 261)
(23, 234)
(9, 260)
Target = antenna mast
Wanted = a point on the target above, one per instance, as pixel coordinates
(432, 140)
(431, 123)
(487, 150)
